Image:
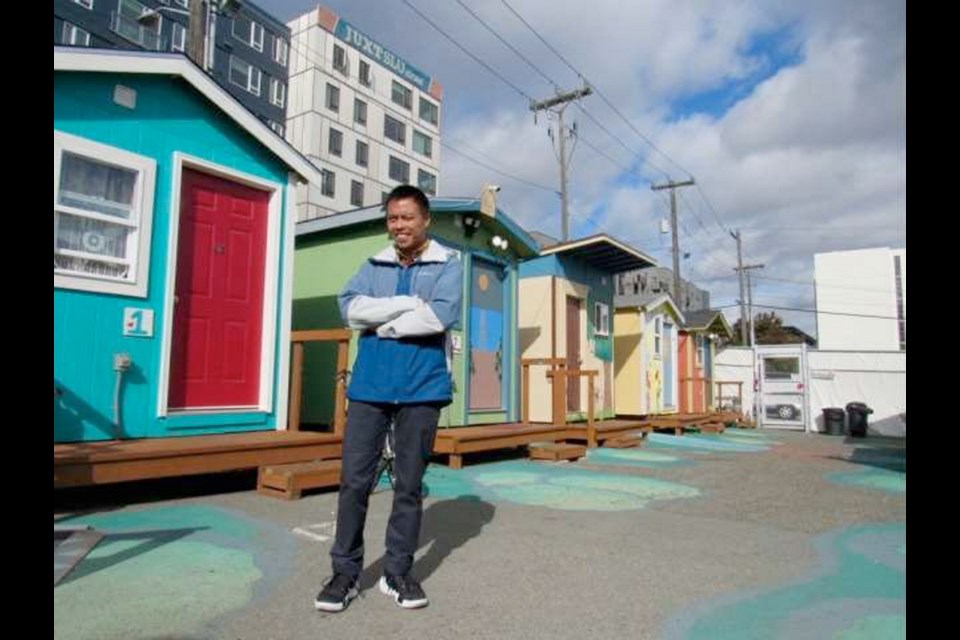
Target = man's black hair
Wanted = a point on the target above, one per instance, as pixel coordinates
(405, 191)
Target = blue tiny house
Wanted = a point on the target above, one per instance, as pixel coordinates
(174, 213)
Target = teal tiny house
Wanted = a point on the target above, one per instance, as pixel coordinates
(173, 252)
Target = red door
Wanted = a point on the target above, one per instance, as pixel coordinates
(686, 374)
(218, 309)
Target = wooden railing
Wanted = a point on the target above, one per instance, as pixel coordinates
(298, 339)
(558, 375)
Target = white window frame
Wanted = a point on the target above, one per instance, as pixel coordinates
(401, 127)
(278, 92)
(69, 33)
(335, 134)
(406, 92)
(328, 179)
(368, 81)
(344, 67)
(332, 90)
(429, 145)
(250, 86)
(366, 154)
(658, 337)
(436, 109)
(353, 202)
(281, 51)
(401, 162)
(357, 102)
(183, 3)
(251, 39)
(432, 191)
(86, 4)
(182, 44)
(601, 319)
(134, 283)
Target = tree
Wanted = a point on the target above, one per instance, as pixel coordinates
(768, 329)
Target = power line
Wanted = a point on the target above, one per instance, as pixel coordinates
(508, 45)
(599, 92)
(495, 170)
(466, 51)
(827, 313)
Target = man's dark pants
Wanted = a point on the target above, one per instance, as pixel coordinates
(415, 427)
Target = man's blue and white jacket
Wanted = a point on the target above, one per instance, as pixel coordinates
(404, 315)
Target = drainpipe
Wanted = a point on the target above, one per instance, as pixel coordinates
(121, 363)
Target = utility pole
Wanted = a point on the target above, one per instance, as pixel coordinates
(676, 237)
(743, 300)
(562, 100)
(198, 32)
(745, 269)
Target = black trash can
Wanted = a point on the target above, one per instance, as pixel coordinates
(833, 421)
(857, 413)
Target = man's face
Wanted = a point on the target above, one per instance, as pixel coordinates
(407, 224)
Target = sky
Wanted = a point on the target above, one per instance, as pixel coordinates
(790, 115)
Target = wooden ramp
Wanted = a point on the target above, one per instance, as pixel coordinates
(93, 463)
(457, 441)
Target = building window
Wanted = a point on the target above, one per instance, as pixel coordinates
(356, 193)
(328, 182)
(102, 212)
(126, 22)
(362, 153)
(244, 75)
(422, 144)
(340, 59)
(86, 4)
(248, 31)
(365, 73)
(657, 337)
(281, 50)
(401, 95)
(183, 3)
(429, 111)
(399, 170)
(601, 319)
(179, 40)
(901, 316)
(74, 35)
(333, 98)
(698, 345)
(394, 130)
(278, 92)
(427, 182)
(359, 111)
(335, 142)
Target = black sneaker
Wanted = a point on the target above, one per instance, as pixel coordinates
(337, 593)
(406, 591)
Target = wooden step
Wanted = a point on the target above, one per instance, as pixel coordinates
(556, 451)
(626, 441)
(712, 427)
(287, 481)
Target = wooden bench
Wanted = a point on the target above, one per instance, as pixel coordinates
(556, 451)
(287, 481)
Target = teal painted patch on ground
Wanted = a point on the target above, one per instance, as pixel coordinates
(705, 443)
(635, 457)
(168, 572)
(555, 486)
(881, 479)
(858, 590)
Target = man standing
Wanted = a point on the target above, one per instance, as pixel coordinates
(404, 300)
